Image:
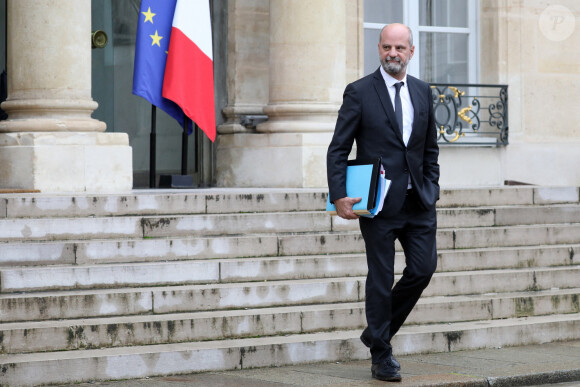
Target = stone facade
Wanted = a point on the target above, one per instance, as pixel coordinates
(313, 51)
(543, 70)
(290, 61)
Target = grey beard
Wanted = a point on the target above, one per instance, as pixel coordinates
(392, 68)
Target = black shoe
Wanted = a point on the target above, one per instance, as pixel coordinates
(367, 342)
(385, 370)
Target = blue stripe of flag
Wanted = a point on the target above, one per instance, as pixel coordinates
(153, 34)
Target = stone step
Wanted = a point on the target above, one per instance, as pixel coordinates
(491, 216)
(218, 296)
(40, 278)
(548, 214)
(446, 218)
(97, 251)
(492, 306)
(40, 336)
(37, 253)
(501, 281)
(506, 196)
(174, 226)
(34, 279)
(91, 276)
(232, 200)
(136, 250)
(313, 221)
(461, 238)
(167, 359)
(284, 222)
(115, 302)
(75, 304)
(179, 281)
(548, 234)
(47, 229)
(50, 229)
(232, 224)
(168, 202)
(508, 257)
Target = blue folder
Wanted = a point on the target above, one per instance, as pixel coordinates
(364, 180)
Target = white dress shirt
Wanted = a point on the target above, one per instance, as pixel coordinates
(408, 111)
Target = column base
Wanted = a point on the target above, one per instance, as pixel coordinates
(50, 115)
(235, 114)
(299, 118)
(290, 160)
(66, 162)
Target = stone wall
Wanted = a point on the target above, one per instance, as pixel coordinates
(278, 64)
(542, 68)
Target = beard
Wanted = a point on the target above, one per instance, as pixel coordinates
(393, 68)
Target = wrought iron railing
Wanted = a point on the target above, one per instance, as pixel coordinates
(471, 114)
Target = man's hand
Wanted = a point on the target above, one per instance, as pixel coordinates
(344, 207)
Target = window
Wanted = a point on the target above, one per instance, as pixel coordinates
(445, 35)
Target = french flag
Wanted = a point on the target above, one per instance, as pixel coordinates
(188, 79)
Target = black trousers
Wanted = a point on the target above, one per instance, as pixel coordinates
(387, 307)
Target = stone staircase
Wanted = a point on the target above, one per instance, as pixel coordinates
(99, 287)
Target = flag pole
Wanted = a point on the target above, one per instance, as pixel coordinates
(195, 133)
(152, 147)
(184, 145)
(182, 180)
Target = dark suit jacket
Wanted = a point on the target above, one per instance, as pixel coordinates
(367, 117)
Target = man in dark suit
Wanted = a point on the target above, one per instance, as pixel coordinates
(390, 115)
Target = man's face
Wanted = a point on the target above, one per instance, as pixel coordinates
(394, 50)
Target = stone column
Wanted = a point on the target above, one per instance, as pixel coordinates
(247, 64)
(50, 142)
(307, 75)
(307, 65)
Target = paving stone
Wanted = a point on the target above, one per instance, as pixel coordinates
(515, 215)
(41, 253)
(545, 195)
(50, 229)
(492, 196)
(234, 224)
(77, 304)
(146, 250)
(108, 276)
(251, 295)
(29, 206)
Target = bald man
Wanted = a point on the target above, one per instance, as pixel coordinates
(390, 115)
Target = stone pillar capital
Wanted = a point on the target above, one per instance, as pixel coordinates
(300, 117)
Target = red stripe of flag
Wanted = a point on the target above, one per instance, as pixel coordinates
(189, 81)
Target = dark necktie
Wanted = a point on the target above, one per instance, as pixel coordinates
(398, 106)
